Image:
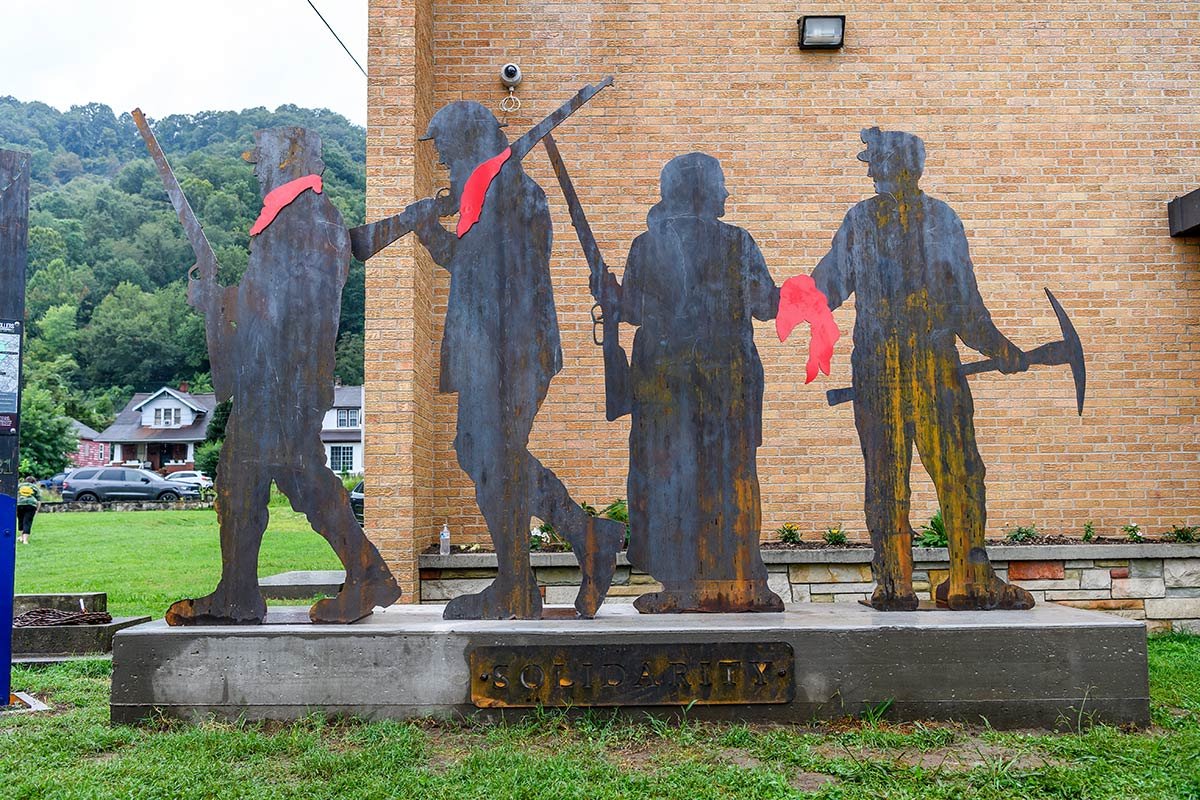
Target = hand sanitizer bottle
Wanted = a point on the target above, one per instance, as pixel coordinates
(444, 541)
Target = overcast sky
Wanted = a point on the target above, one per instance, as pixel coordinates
(182, 56)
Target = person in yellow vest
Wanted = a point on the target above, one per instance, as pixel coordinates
(29, 499)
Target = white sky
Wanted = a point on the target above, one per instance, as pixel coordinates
(183, 56)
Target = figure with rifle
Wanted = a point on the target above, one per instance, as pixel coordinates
(271, 346)
(904, 256)
(499, 352)
(694, 389)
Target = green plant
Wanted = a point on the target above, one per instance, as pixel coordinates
(1184, 534)
(788, 533)
(873, 715)
(618, 511)
(543, 536)
(834, 535)
(589, 509)
(1133, 532)
(1089, 531)
(934, 534)
(1023, 533)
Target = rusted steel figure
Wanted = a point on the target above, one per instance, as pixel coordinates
(693, 284)
(904, 255)
(499, 353)
(271, 344)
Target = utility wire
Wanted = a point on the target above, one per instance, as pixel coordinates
(339, 40)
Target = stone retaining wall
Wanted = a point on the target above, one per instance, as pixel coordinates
(1158, 583)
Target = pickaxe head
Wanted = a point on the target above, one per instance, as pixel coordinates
(1073, 350)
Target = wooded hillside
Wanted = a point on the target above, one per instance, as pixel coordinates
(106, 310)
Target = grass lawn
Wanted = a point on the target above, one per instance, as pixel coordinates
(75, 753)
(146, 560)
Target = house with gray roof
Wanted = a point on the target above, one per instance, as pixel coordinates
(161, 430)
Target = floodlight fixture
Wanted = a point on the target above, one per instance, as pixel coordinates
(822, 33)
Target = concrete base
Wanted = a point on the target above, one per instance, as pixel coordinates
(1041, 668)
(302, 584)
(72, 640)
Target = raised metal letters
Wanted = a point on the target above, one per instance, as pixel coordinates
(632, 674)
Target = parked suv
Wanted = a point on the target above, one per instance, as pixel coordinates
(101, 484)
(356, 501)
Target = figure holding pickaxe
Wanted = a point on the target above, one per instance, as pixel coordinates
(904, 256)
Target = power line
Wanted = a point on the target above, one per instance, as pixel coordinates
(339, 40)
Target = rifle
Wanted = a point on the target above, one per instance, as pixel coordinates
(367, 240)
(206, 259)
(606, 291)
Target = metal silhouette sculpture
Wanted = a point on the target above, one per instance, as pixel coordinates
(904, 256)
(500, 351)
(692, 285)
(271, 345)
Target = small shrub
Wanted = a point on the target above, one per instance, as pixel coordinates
(544, 536)
(207, 459)
(616, 510)
(589, 509)
(1184, 534)
(934, 534)
(1133, 532)
(1023, 533)
(1089, 531)
(788, 533)
(835, 536)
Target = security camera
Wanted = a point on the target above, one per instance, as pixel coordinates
(510, 75)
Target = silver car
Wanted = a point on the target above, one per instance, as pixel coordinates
(102, 484)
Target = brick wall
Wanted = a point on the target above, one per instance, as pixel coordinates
(1056, 130)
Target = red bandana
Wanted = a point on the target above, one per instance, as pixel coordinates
(801, 301)
(278, 199)
(471, 205)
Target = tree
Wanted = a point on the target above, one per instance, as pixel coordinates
(208, 458)
(45, 245)
(55, 284)
(348, 365)
(47, 437)
(215, 432)
(142, 338)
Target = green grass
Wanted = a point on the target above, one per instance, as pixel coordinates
(74, 753)
(146, 560)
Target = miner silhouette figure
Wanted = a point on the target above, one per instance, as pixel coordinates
(271, 343)
(904, 256)
(500, 350)
(693, 285)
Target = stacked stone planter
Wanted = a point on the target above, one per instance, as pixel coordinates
(1158, 583)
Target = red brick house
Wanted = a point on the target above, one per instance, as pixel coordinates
(91, 451)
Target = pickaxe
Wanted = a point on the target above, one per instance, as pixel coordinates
(1067, 350)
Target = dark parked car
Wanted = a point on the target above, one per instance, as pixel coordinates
(356, 501)
(54, 483)
(101, 484)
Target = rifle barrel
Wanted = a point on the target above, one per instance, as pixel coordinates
(523, 145)
(183, 209)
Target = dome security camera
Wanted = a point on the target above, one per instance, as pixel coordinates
(510, 75)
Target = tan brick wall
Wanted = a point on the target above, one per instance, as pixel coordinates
(1057, 131)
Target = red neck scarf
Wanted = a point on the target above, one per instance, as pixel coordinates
(278, 199)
